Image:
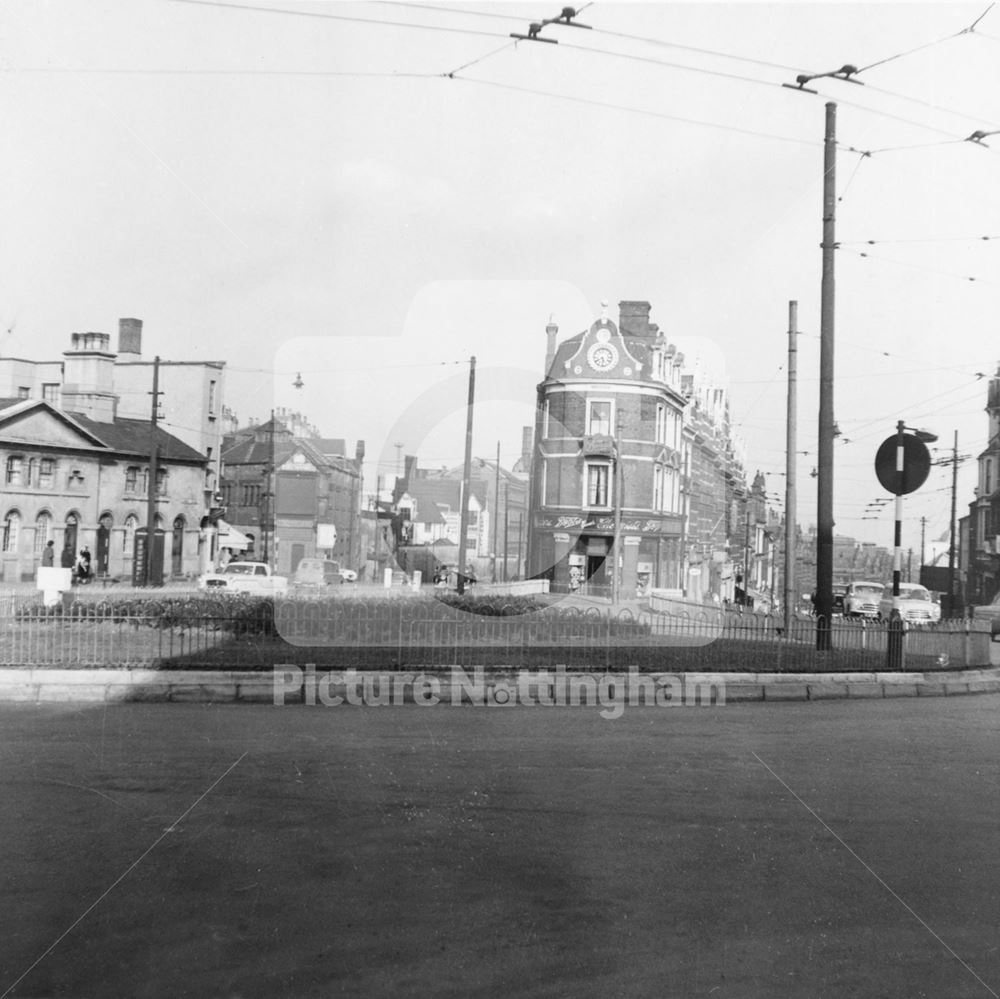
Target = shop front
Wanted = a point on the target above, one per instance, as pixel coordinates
(576, 553)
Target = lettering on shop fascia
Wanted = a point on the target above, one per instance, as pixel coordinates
(576, 522)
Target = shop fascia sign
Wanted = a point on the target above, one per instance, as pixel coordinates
(577, 522)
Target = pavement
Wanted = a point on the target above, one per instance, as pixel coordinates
(201, 850)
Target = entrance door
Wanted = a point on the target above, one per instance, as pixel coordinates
(595, 574)
(177, 548)
(69, 541)
(103, 544)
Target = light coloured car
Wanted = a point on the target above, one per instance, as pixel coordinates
(862, 599)
(244, 577)
(916, 605)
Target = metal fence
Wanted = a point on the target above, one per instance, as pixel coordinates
(228, 633)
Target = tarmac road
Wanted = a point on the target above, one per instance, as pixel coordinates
(841, 848)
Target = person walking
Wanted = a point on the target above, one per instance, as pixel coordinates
(49, 554)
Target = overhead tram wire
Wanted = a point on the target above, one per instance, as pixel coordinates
(342, 17)
(919, 267)
(947, 38)
(633, 110)
(635, 58)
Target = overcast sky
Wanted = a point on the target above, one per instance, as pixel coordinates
(306, 188)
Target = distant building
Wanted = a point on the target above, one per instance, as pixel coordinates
(982, 568)
(286, 493)
(428, 505)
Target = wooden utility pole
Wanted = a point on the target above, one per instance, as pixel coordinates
(788, 598)
(506, 527)
(824, 482)
(151, 485)
(466, 478)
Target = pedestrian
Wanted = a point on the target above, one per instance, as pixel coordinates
(83, 565)
(49, 554)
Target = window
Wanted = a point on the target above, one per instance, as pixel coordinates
(211, 398)
(75, 479)
(23, 392)
(597, 485)
(987, 477)
(161, 482)
(131, 478)
(658, 487)
(11, 531)
(128, 535)
(43, 532)
(50, 392)
(661, 423)
(15, 470)
(46, 473)
(599, 417)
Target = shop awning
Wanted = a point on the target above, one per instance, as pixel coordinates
(230, 538)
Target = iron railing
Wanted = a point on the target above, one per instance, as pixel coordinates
(401, 633)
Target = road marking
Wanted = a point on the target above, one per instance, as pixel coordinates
(121, 877)
(873, 874)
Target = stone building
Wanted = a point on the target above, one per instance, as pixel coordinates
(80, 479)
(191, 393)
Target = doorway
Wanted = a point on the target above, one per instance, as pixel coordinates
(177, 547)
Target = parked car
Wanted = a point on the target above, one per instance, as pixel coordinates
(348, 575)
(317, 573)
(861, 599)
(915, 604)
(245, 577)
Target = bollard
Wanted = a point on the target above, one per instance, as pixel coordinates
(894, 642)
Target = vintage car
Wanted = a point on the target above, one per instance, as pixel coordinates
(916, 606)
(244, 577)
(861, 599)
(317, 574)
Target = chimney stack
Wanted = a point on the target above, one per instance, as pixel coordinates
(551, 331)
(633, 319)
(130, 336)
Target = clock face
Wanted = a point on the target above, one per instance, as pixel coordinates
(602, 356)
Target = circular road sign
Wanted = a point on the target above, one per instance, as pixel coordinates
(916, 464)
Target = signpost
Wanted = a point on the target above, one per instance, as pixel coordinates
(902, 465)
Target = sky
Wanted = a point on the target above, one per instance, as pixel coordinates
(371, 194)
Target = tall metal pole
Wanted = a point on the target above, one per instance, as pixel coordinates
(788, 598)
(824, 482)
(496, 513)
(894, 638)
(616, 543)
(151, 485)
(951, 529)
(897, 537)
(466, 477)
